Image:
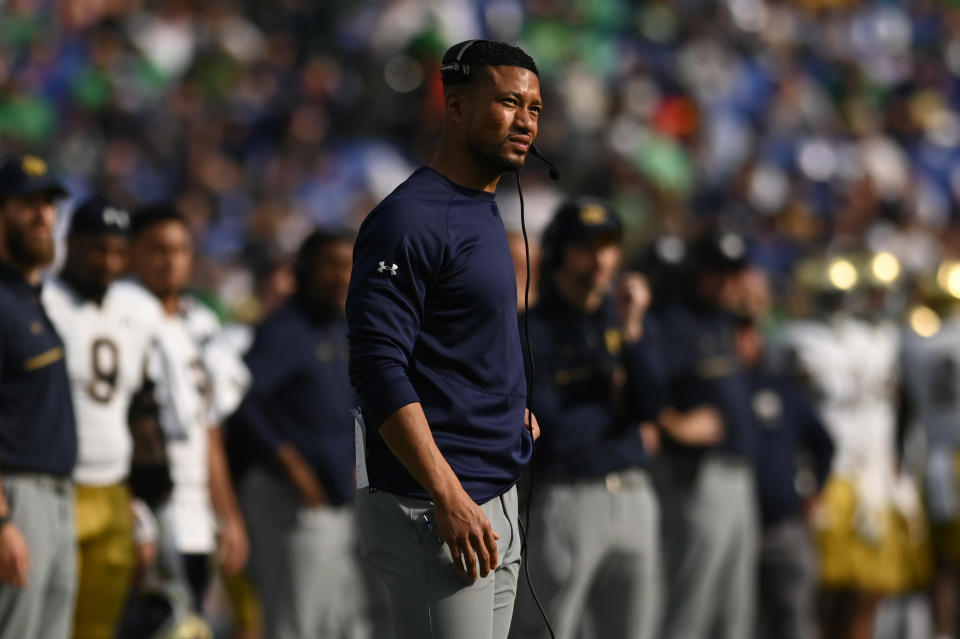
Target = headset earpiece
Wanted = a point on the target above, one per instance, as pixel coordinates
(457, 66)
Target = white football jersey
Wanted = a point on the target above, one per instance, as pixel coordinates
(853, 366)
(106, 353)
(186, 415)
(229, 376)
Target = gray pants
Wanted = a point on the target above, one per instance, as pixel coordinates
(907, 616)
(428, 598)
(594, 553)
(42, 509)
(304, 563)
(788, 582)
(710, 535)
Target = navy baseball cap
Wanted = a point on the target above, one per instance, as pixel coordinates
(98, 215)
(582, 221)
(26, 175)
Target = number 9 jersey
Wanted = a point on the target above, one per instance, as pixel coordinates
(106, 351)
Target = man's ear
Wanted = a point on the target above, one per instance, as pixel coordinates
(456, 105)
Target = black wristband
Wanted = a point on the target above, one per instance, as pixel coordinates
(5, 519)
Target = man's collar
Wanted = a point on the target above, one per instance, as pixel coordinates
(15, 281)
(314, 315)
(550, 296)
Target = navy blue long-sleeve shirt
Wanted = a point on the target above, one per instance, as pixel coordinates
(589, 422)
(300, 395)
(789, 432)
(432, 316)
(700, 367)
(37, 429)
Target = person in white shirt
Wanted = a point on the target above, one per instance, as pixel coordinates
(106, 338)
(202, 511)
(869, 523)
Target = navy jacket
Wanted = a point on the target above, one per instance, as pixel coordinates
(433, 319)
(300, 395)
(589, 420)
(700, 367)
(37, 429)
(790, 434)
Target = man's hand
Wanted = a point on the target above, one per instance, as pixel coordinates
(650, 436)
(535, 428)
(312, 493)
(14, 556)
(234, 546)
(811, 508)
(145, 534)
(702, 426)
(633, 300)
(146, 555)
(467, 533)
(459, 521)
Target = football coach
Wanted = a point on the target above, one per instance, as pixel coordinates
(436, 360)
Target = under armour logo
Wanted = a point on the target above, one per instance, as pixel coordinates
(383, 267)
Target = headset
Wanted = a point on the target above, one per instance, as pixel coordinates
(450, 70)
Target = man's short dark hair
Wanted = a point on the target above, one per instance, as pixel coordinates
(311, 247)
(461, 61)
(153, 214)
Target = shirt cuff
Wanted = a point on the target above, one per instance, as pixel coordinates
(383, 400)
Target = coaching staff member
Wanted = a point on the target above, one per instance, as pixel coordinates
(709, 522)
(594, 542)
(38, 438)
(299, 492)
(436, 360)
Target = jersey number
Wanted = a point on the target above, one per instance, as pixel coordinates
(204, 386)
(202, 380)
(105, 358)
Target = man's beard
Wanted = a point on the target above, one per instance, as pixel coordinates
(89, 287)
(26, 251)
(499, 158)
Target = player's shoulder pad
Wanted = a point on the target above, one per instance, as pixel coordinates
(799, 330)
(131, 297)
(202, 322)
(56, 294)
(887, 330)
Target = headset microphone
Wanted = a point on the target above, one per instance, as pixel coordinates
(554, 171)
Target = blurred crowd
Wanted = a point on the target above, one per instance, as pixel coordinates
(822, 135)
(806, 124)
